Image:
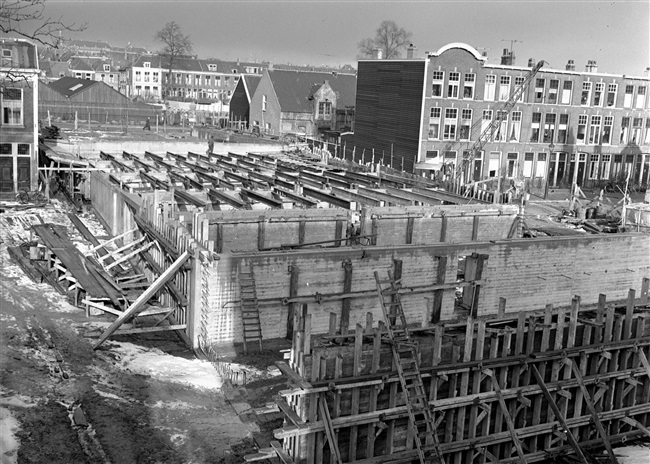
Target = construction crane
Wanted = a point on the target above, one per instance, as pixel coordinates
(501, 114)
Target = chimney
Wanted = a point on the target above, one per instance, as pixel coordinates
(591, 67)
(377, 54)
(270, 67)
(507, 58)
(531, 62)
(570, 66)
(410, 51)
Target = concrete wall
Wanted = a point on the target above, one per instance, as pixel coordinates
(528, 273)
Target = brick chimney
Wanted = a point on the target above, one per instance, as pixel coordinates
(592, 66)
(570, 66)
(377, 54)
(507, 58)
(531, 62)
(410, 51)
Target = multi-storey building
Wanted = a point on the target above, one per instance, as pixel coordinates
(428, 112)
(18, 119)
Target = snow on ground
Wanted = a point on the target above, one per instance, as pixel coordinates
(9, 426)
(633, 454)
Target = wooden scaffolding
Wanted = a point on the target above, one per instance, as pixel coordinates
(508, 390)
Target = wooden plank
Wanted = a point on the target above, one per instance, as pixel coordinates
(144, 297)
(329, 430)
(356, 393)
(374, 392)
(178, 295)
(281, 453)
(137, 330)
(346, 304)
(464, 385)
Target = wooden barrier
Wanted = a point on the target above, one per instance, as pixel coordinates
(510, 390)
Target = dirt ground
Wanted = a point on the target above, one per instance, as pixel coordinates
(137, 399)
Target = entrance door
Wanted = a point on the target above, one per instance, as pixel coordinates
(6, 174)
(561, 165)
(24, 165)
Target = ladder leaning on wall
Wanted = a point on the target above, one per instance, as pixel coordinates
(250, 314)
(405, 355)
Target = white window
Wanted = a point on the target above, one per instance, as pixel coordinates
(637, 126)
(513, 159)
(581, 134)
(107, 68)
(7, 61)
(540, 168)
(217, 80)
(155, 77)
(593, 166)
(611, 94)
(567, 89)
(450, 157)
(625, 131)
(553, 87)
(431, 154)
(486, 120)
(454, 85)
(434, 123)
(585, 96)
(528, 164)
(12, 106)
(646, 141)
(598, 93)
(594, 130)
(539, 91)
(502, 130)
(138, 76)
(465, 124)
(604, 172)
(535, 127)
(608, 122)
(493, 163)
(549, 127)
(515, 126)
(451, 120)
(468, 86)
(147, 64)
(519, 81)
(640, 97)
(438, 82)
(212, 67)
(490, 87)
(504, 88)
(263, 102)
(627, 98)
(325, 110)
(563, 129)
(267, 127)
(147, 76)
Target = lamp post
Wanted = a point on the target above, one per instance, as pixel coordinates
(551, 147)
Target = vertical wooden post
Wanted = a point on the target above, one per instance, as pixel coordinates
(443, 229)
(409, 230)
(301, 231)
(261, 226)
(475, 226)
(293, 292)
(438, 295)
(347, 288)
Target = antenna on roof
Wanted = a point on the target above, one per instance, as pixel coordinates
(508, 57)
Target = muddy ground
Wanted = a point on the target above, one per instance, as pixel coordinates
(137, 399)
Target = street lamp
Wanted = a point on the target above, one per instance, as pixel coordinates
(551, 147)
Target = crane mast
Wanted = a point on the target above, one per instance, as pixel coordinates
(501, 114)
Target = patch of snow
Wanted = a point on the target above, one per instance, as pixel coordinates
(109, 395)
(8, 441)
(175, 405)
(634, 454)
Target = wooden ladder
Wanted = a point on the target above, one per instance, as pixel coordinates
(250, 313)
(405, 354)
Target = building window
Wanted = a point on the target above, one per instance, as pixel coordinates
(608, 122)
(553, 87)
(512, 164)
(549, 127)
(535, 127)
(454, 85)
(582, 129)
(504, 88)
(147, 77)
(594, 130)
(7, 61)
(611, 94)
(431, 154)
(637, 126)
(493, 163)
(625, 131)
(155, 77)
(519, 81)
(627, 99)
(593, 166)
(465, 124)
(540, 168)
(539, 90)
(434, 123)
(436, 87)
(450, 158)
(5, 149)
(640, 97)
(515, 126)
(147, 64)
(263, 102)
(12, 107)
(468, 86)
(598, 93)
(528, 164)
(138, 76)
(563, 128)
(325, 110)
(490, 87)
(567, 89)
(267, 127)
(502, 131)
(604, 172)
(212, 67)
(451, 120)
(585, 96)
(486, 120)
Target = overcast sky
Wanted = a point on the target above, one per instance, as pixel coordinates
(614, 33)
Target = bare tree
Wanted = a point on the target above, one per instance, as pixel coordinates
(27, 19)
(174, 44)
(390, 39)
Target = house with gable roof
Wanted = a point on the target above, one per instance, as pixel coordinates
(301, 101)
(80, 69)
(240, 103)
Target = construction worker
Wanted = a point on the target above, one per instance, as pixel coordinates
(210, 145)
(147, 125)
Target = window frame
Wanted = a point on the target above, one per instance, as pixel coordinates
(7, 114)
(437, 83)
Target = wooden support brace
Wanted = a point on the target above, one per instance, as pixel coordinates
(282, 454)
(644, 360)
(129, 256)
(637, 424)
(329, 430)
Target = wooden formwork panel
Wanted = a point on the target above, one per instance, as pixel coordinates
(482, 382)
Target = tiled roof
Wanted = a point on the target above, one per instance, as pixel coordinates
(251, 82)
(80, 65)
(293, 88)
(70, 86)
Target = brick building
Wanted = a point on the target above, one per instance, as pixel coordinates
(18, 121)
(428, 111)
